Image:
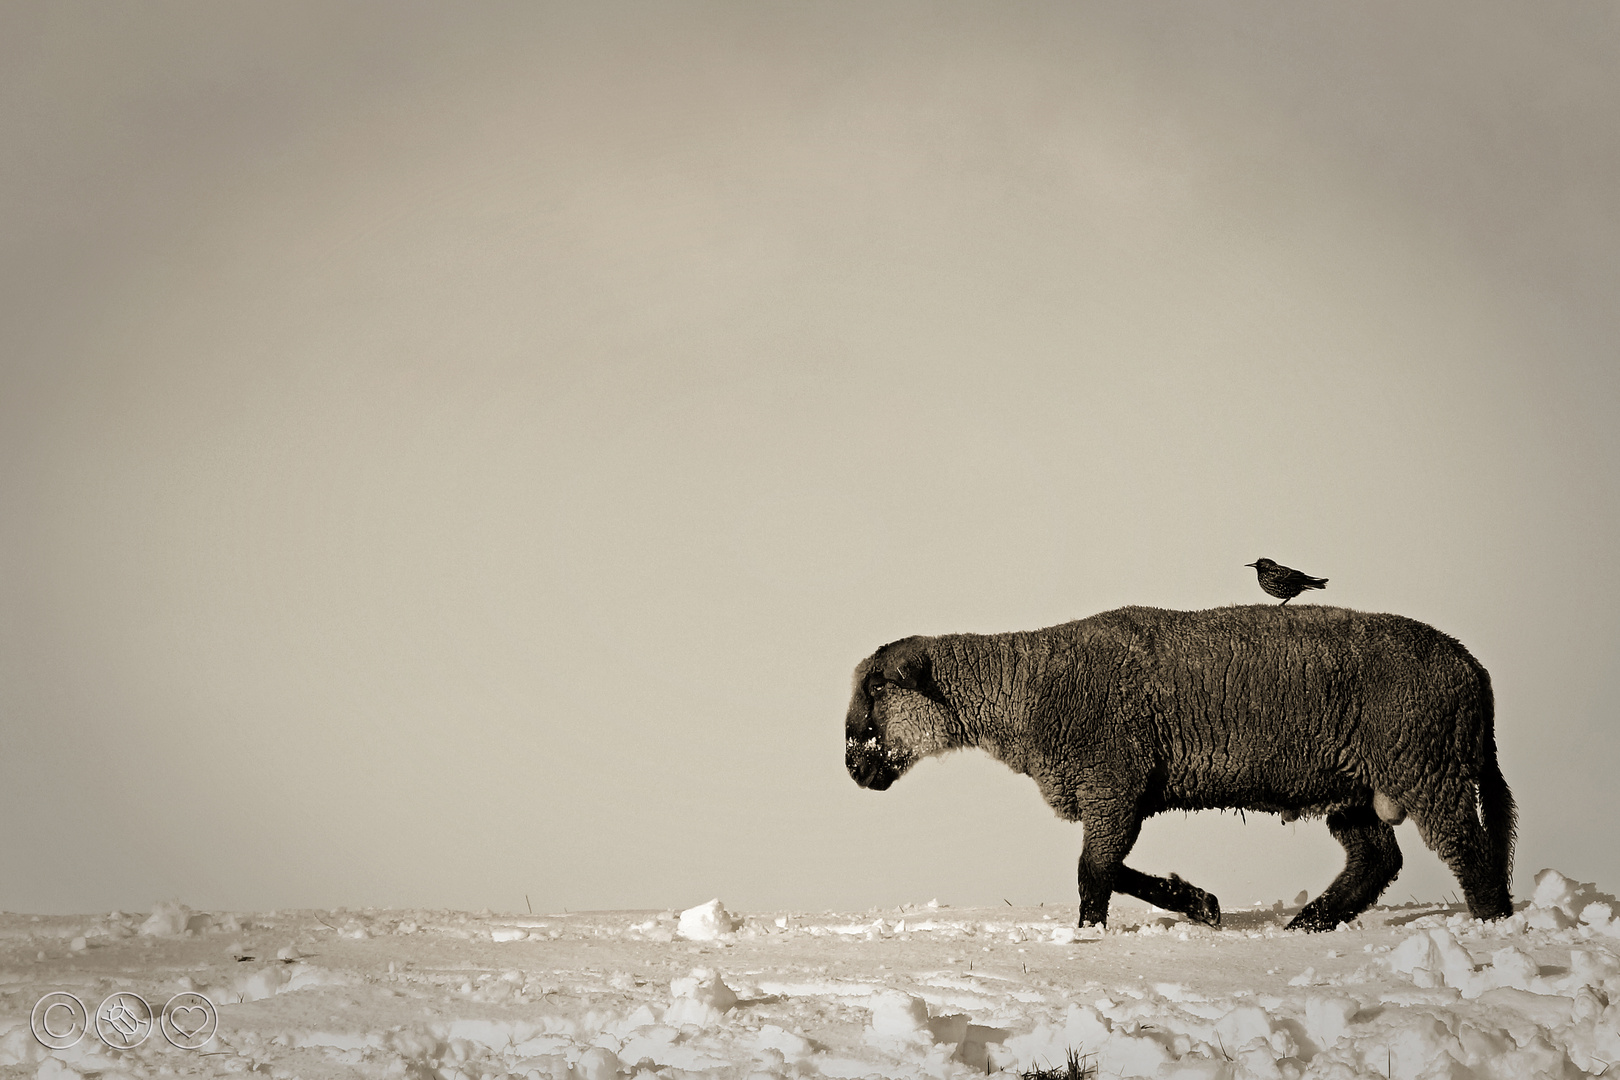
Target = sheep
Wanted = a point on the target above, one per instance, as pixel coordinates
(1360, 717)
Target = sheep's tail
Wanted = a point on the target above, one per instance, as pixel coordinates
(1497, 811)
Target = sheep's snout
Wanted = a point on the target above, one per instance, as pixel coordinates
(868, 764)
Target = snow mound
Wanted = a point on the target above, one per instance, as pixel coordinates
(792, 1048)
(173, 919)
(701, 999)
(898, 1015)
(706, 922)
(1559, 903)
(597, 1063)
(1116, 1051)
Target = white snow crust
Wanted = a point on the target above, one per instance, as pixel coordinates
(706, 922)
(1420, 992)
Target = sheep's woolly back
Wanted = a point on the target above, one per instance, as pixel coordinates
(1253, 705)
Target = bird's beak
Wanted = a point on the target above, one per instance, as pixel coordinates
(1248, 564)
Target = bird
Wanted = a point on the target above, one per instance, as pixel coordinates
(1284, 581)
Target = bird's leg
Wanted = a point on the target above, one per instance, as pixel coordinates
(1285, 601)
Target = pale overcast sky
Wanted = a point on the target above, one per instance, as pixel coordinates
(450, 453)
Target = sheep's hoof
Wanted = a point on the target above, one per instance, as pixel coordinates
(1195, 903)
(1208, 913)
(1314, 921)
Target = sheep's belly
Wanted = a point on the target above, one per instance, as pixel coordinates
(1313, 797)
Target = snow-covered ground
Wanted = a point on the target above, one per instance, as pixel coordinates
(1409, 992)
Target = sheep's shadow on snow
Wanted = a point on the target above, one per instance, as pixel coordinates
(1256, 920)
(1242, 919)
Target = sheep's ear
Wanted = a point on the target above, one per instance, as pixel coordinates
(909, 667)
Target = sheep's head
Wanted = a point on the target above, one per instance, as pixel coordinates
(897, 715)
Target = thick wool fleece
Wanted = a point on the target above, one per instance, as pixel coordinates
(1323, 711)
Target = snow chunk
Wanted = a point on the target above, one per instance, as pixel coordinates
(706, 922)
(793, 1048)
(1554, 891)
(704, 985)
(1416, 1045)
(1599, 915)
(172, 919)
(18, 1045)
(1559, 903)
(1132, 1055)
(1415, 952)
(701, 999)
(1243, 1025)
(1327, 1018)
(1493, 1053)
(54, 1069)
(1048, 1045)
(597, 1063)
(1513, 967)
(256, 985)
(1436, 958)
(1192, 1068)
(898, 1015)
(659, 928)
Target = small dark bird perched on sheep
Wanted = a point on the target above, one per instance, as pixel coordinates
(1284, 581)
(1322, 711)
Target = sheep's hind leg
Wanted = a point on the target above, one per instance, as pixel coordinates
(1458, 838)
(1172, 894)
(1372, 859)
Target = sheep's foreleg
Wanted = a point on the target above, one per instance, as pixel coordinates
(1109, 838)
(1172, 894)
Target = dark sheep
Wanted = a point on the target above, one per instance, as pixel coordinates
(1361, 717)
